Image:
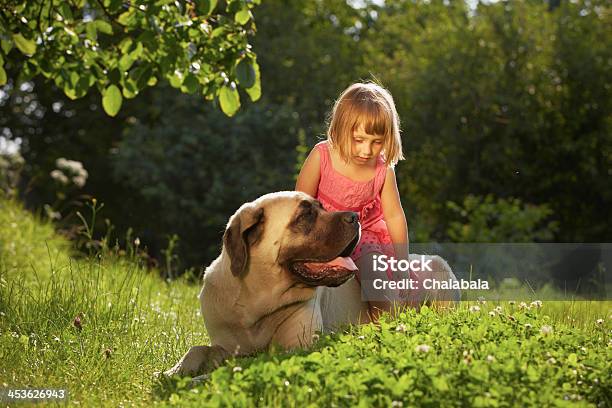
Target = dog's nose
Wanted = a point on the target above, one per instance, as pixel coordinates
(350, 217)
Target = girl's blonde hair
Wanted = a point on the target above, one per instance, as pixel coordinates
(372, 106)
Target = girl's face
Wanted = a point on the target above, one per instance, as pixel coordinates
(365, 147)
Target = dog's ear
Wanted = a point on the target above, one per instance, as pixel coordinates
(241, 233)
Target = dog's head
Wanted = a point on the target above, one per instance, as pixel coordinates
(290, 232)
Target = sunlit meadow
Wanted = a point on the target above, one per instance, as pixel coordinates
(102, 326)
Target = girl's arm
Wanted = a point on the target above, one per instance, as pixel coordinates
(394, 215)
(308, 179)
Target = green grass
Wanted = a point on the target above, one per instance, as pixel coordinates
(133, 324)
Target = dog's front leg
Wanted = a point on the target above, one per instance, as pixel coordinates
(297, 329)
(199, 360)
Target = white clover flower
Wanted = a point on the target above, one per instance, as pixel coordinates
(474, 309)
(397, 404)
(528, 325)
(315, 337)
(536, 303)
(546, 330)
(551, 360)
(287, 383)
(498, 309)
(599, 321)
(362, 337)
(481, 300)
(59, 176)
(492, 313)
(490, 358)
(512, 302)
(401, 328)
(523, 305)
(237, 369)
(422, 348)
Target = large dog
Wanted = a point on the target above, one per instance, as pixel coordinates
(284, 273)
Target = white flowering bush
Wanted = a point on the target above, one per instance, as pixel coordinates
(11, 164)
(69, 172)
(68, 175)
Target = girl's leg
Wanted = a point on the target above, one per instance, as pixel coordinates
(375, 288)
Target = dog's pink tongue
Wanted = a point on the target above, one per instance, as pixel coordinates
(343, 262)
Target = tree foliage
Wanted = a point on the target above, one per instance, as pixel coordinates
(121, 47)
(505, 112)
(512, 101)
(193, 168)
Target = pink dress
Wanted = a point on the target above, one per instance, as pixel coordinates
(337, 192)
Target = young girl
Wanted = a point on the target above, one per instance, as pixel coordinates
(353, 171)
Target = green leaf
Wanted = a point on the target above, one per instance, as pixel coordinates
(2, 76)
(27, 47)
(111, 100)
(90, 30)
(65, 11)
(129, 89)
(137, 52)
(440, 383)
(229, 99)
(176, 80)
(104, 27)
(141, 75)
(532, 374)
(254, 92)
(245, 72)
(127, 18)
(125, 62)
(205, 7)
(190, 84)
(125, 45)
(6, 46)
(243, 16)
